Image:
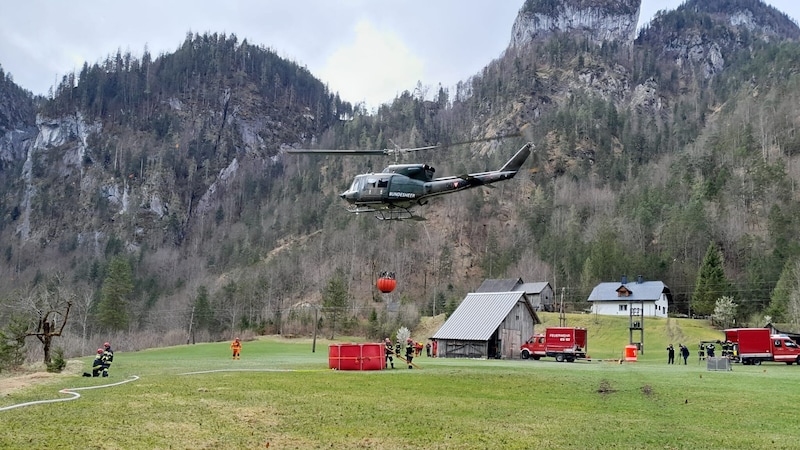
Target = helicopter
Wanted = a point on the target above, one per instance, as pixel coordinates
(394, 192)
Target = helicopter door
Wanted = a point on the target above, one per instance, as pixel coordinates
(374, 187)
(404, 188)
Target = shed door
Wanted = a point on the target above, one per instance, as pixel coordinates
(511, 342)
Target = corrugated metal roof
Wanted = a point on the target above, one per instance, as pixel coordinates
(499, 285)
(478, 316)
(646, 290)
(532, 288)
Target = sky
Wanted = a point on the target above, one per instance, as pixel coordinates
(366, 50)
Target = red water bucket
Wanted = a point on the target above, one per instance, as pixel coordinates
(386, 285)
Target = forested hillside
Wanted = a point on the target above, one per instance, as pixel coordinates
(157, 195)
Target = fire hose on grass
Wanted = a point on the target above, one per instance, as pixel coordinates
(69, 391)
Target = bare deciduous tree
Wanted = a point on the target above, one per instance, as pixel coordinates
(48, 304)
(48, 328)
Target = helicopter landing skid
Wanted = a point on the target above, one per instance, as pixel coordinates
(388, 214)
(393, 214)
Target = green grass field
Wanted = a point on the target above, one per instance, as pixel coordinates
(281, 395)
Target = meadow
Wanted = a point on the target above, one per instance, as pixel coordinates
(282, 395)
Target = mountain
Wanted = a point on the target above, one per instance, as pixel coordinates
(649, 148)
(700, 34)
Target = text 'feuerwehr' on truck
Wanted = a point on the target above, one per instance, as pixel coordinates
(561, 343)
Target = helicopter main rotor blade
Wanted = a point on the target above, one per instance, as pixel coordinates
(391, 151)
(475, 141)
(337, 152)
(386, 151)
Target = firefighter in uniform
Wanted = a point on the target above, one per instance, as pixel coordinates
(388, 350)
(108, 354)
(99, 365)
(409, 352)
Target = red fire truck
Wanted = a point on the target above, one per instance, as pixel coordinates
(563, 343)
(754, 345)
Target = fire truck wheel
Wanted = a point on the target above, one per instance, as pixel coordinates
(525, 354)
(560, 358)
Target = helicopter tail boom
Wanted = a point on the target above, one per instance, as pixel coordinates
(516, 161)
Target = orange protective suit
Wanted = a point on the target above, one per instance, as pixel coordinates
(236, 346)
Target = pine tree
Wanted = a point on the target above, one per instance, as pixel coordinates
(112, 311)
(12, 343)
(334, 299)
(785, 302)
(711, 282)
(203, 314)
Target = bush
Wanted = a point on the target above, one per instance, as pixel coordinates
(57, 362)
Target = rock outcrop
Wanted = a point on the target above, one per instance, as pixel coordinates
(596, 20)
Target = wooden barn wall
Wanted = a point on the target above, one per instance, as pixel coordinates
(453, 348)
(547, 299)
(515, 329)
(510, 341)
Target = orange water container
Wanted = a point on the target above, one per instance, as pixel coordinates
(630, 353)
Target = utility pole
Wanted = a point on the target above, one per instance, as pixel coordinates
(191, 329)
(316, 321)
(562, 318)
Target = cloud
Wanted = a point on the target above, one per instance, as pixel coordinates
(371, 66)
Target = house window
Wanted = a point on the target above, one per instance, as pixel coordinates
(623, 307)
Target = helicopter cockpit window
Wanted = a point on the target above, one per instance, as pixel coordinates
(357, 183)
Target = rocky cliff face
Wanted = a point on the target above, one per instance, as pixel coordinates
(17, 116)
(596, 20)
(761, 21)
(61, 141)
(699, 36)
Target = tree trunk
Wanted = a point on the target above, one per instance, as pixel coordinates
(46, 341)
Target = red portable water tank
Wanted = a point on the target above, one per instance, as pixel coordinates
(356, 356)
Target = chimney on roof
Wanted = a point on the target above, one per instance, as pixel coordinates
(624, 279)
(640, 279)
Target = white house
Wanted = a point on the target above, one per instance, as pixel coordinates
(618, 299)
